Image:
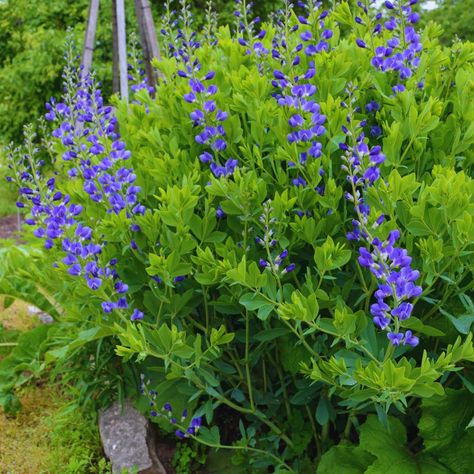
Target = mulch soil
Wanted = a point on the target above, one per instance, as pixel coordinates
(8, 227)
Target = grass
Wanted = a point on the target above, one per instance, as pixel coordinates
(50, 434)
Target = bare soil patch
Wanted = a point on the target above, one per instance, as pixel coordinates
(8, 227)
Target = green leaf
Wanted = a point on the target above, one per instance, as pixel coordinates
(462, 324)
(415, 324)
(331, 256)
(322, 411)
(345, 460)
(264, 311)
(388, 446)
(211, 436)
(270, 334)
(467, 383)
(253, 301)
(418, 228)
(8, 301)
(443, 428)
(345, 321)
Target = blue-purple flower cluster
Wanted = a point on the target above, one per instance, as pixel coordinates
(56, 221)
(166, 412)
(401, 52)
(391, 265)
(85, 132)
(372, 108)
(207, 118)
(296, 89)
(52, 213)
(169, 22)
(210, 24)
(247, 36)
(136, 74)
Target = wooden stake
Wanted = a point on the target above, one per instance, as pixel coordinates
(90, 36)
(148, 39)
(115, 54)
(122, 49)
(150, 73)
(150, 30)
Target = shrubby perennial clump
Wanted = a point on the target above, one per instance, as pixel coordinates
(274, 245)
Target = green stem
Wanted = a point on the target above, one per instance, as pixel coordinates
(236, 363)
(276, 363)
(325, 432)
(206, 307)
(247, 359)
(315, 432)
(347, 428)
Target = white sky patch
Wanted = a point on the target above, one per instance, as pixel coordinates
(430, 5)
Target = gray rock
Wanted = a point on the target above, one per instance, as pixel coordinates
(125, 437)
(45, 318)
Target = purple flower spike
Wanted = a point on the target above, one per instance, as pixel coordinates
(390, 265)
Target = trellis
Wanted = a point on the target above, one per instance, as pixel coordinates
(147, 35)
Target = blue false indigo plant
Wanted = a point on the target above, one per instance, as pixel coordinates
(237, 289)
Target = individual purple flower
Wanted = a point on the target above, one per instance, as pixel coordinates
(107, 306)
(137, 315)
(410, 340)
(289, 268)
(395, 338)
(220, 214)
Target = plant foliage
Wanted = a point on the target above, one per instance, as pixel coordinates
(240, 262)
